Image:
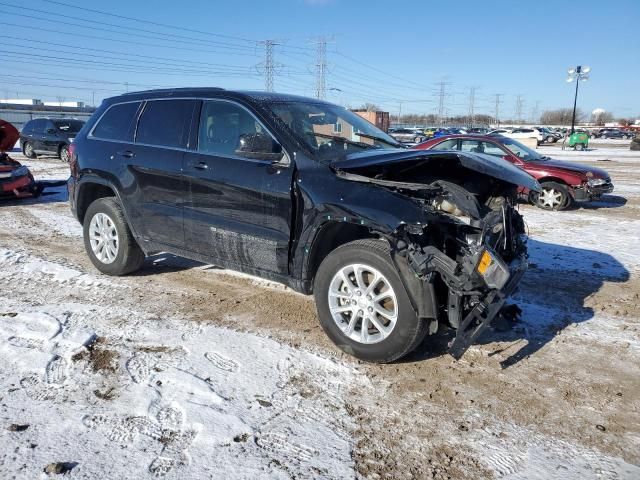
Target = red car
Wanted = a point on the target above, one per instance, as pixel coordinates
(15, 179)
(562, 182)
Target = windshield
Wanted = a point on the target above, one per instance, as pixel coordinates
(68, 126)
(521, 151)
(330, 131)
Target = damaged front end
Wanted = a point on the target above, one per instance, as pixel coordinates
(470, 250)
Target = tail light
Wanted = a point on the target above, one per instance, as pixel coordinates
(73, 160)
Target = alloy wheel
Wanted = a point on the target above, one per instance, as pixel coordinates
(28, 150)
(103, 237)
(550, 198)
(363, 303)
(64, 154)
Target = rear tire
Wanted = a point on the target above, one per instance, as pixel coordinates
(27, 150)
(345, 304)
(63, 153)
(120, 253)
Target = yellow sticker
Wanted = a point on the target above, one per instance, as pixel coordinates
(485, 261)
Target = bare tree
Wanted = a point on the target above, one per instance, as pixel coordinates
(369, 107)
(561, 116)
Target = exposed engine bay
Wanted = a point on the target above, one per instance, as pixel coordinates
(471, 252)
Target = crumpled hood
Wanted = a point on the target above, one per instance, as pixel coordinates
(572, 166)
(9, 135)
(486, 164)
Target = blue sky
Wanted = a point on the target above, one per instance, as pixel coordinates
(388, 53)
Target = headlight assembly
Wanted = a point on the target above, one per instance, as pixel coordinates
(596, 182)
(20, 171)
(493, 270)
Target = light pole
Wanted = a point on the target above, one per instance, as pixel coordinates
(579, 74)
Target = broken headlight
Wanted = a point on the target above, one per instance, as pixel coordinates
(596, 182)
(493, 270)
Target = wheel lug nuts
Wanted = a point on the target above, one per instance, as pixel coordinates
(368, 297)
(358, 293)
(370, 309)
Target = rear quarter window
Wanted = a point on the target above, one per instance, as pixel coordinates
(117, 122)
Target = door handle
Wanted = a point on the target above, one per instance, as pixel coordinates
(126, 153)
(200, 165)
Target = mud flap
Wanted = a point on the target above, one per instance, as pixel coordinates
(475, 323)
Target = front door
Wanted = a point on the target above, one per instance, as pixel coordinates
(238, 211)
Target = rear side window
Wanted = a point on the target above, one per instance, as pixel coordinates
(165, 123)
(38, 126)
(28, 128)
(116, 123)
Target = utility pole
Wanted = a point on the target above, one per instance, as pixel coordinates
(269, 66)
(497, 112)
(321, 68)
(399, 112)
(472, 101)
(519, 105)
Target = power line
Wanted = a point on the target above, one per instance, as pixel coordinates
(121, 40)
(149, 22)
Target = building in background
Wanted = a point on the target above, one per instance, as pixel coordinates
(379, 119)
(20, 111)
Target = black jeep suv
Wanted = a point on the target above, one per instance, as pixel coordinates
(393, 243)
(49, 135)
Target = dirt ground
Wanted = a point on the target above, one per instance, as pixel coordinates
(561, 388)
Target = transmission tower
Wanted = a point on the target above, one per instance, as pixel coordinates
(321, 68)
(497, 111)
(472, 102)
(268, 67)
(441, 107)
(535, 112)
(519, 106)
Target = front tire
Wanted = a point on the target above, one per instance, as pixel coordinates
(27, 150)
(108, 239)
(362, 304)
(553, 196)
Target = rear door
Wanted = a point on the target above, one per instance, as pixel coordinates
(238, 211)
(50, 137)
(36, 137)
(155, 163)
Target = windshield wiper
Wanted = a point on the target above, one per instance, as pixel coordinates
(338, 138)
(379, 139)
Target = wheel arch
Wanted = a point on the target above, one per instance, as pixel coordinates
(91, 190)
(331, 235)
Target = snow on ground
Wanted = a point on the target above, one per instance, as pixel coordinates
(96, 379)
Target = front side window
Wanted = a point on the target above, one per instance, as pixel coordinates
(225, 128)
(116, 123)
(68, 126)
(479, 146)
(165, 123)
(521, 151)
(447, 145)
(39, 126)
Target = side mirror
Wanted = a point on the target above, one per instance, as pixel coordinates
(258, 146)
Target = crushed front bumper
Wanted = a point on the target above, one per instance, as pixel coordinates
(588, 192)
(474, 301)
(478, 319)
